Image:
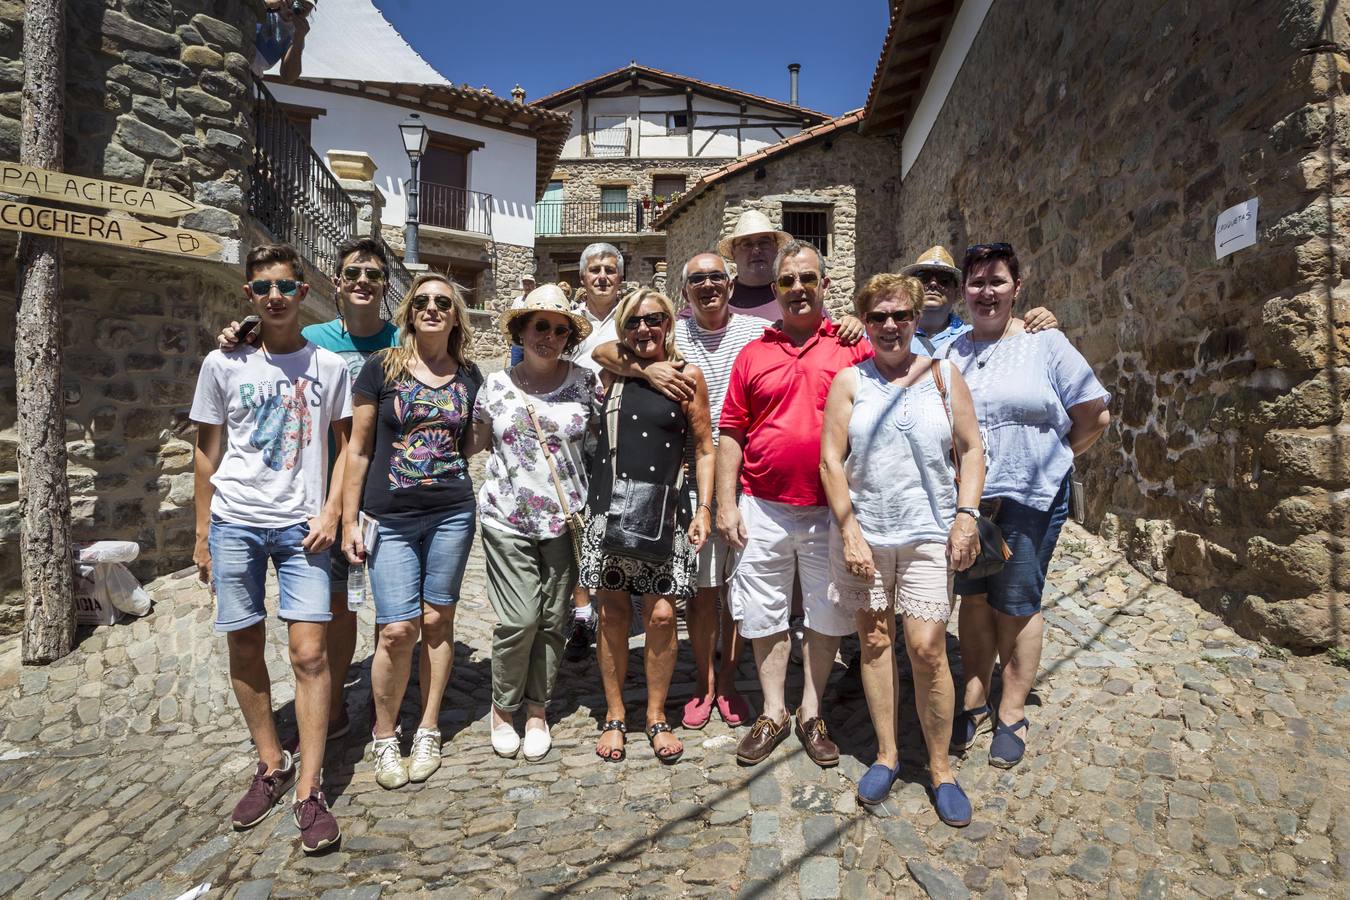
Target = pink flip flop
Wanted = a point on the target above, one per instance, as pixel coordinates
(697, 712)
(733, 710)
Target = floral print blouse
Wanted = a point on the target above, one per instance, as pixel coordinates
(518, 495)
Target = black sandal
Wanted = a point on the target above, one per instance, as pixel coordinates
(614, 725)
(657, 728)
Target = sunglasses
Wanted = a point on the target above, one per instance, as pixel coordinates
(998, 247)
(421, 301)
(542, 327)
(261, 287)
(651, 320)
(943, 278)
(715, 277)
(373, 275)
(808, 280)
(899, 316)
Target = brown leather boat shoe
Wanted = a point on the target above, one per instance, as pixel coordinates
(764, 735)
(815, 737)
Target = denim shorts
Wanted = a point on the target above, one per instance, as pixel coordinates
(239, 555)
(419, 559)
(1031, 535)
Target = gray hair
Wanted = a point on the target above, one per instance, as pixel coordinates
(684, 270)
(601, 249)
(792, 248)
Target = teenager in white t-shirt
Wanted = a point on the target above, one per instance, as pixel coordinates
(263, 416)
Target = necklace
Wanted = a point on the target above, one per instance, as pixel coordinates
(992, 349)
(525, 383)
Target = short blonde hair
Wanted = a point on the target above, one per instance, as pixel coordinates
(888, 284)
(630, 304)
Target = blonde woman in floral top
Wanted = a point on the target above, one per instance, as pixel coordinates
(530, 567)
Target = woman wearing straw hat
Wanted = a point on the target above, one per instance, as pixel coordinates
(540, 419)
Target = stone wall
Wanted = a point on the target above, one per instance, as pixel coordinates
(642, 255)
(582, 177)
(857, 177)
(1104, 148)
(156, 97)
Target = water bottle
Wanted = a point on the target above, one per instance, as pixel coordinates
(356, 586)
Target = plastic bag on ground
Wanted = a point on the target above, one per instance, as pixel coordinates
(122, 589)
(100, 552)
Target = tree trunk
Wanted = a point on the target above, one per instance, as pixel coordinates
(44, 541)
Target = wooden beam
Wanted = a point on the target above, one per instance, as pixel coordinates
(937, 11)
(739, 151)
(689, 118)
(585, 125)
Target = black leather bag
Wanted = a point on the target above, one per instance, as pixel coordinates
(994, 551)
(642, 515)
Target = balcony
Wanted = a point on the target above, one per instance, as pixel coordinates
(447, 206)
(559, 218)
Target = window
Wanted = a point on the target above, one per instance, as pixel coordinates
(809, 223)
(610, 136)
(677, 123)
(666, 186)
(301, 118)
(614, 199)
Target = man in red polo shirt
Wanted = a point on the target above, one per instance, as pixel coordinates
(770, 429)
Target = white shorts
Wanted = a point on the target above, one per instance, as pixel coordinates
(712, 559)
(913, 579)
(784, 543)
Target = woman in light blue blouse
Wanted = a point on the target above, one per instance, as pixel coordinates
(1039, 405)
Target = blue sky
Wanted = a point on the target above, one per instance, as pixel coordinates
(546, 46)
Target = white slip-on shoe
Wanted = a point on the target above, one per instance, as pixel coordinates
(537, 743)
(426, 754)
(505, 741)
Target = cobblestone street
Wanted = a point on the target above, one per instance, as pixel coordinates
(1167, 758)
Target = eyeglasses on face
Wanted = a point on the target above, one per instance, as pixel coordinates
(899, 316)
(543, 327)
(420, 302)
(788, 279)
(262, 287)
(651, 320)
(698, 278)
(373, 275)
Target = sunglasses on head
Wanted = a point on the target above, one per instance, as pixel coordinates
(997, 247)
(373, 275)
(421, 301)
(808, 280)
(542, 327)
(262, 287)
(651, 320)
(899, 316)
(698, 278)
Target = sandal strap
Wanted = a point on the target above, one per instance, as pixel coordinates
(1021, 723)
(614, 725)
(657, 728)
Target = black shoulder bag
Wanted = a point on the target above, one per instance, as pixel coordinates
(641, 521)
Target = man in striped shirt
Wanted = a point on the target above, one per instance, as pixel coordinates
(711, 338)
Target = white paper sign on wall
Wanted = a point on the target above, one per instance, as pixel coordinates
(1235, 228)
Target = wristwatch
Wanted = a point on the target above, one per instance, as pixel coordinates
(972, 511)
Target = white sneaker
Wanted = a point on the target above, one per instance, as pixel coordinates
(426, 754)
(505, 741)
(389, 770)
(537, 743)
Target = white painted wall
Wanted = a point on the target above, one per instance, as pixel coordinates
(954, 51)
(646, 123)
(503, 167)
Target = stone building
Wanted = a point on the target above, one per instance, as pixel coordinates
(487, 160)
(1105, 149)
(639, 138)
(157, 95)
(827, 184)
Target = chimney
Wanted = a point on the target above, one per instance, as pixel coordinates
(518, 94)
(793, 70)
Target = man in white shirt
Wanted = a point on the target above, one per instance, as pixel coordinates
(602, 281)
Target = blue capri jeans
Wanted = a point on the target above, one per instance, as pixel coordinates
(419, 559)
(1031, 535)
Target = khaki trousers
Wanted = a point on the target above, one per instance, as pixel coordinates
(529, 584)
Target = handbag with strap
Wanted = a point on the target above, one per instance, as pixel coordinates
(641, 521)
(994, 551)
(576, 526)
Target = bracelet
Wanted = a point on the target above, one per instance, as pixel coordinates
(704, 506)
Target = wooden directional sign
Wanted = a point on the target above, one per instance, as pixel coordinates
(63, 223)
(31, 182)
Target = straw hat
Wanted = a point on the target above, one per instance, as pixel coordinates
(751, 222)
(934, 259)
(546, 298)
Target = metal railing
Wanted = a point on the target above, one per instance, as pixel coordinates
(400, 279)
(566, 217)
(447, 206)
(292, 193)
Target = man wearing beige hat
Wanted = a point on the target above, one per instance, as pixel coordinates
(938, 325)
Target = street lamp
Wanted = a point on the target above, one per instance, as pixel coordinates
(414, 132)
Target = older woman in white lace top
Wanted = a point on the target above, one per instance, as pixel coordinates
(899, 527)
